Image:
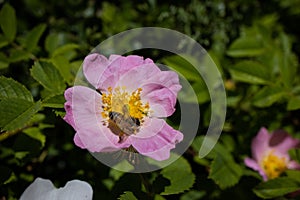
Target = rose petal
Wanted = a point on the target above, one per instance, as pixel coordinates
(101, 140)
(83, 106)
(93, 67)
(286, 142)
(135, 77)
(68, 107)
(118, 67)
(293, 165)
(168, 79)
(161, 100)
(255, 166)
(150, 128)
(260, 144)
(78, 141)
(158, 146)
(86, 105)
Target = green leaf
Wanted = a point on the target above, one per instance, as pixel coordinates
(53, 41)
(21, 154)
(36, 133)
(64, 67)
(127, 196)
(118, 170)
(48, 76)
(17, 55)
(3, 41)
(193, 195)
(180, 175)
(295, 154)
(5, 174)
(294, 103)
(8, 22)
(250, 72)
(276, 187)
(56, 101)
(288, 65)
(183, 67)
(198, 93)
(10, 88)
(268, 96)
(224, 171)
(65, 49)
(158, 197)
(4, 62)
(32, 38)
(246, 47)
(293, 174)
(15, 113)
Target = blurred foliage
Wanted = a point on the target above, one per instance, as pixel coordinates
(255, 44)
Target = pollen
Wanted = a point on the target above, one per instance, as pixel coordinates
(115, 100)
(273, 165)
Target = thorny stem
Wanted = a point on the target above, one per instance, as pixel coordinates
(5, 135)
(147, 185)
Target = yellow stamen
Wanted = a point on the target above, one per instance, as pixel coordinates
(273, 165)
(115, 100)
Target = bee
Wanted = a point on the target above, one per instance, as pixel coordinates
(122, 124)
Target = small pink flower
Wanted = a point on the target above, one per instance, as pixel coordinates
(270, 153)
(124, 110)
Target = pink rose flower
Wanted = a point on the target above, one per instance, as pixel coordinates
(126, 108)
(270, 155)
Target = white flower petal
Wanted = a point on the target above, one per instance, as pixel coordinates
(43, 189)
(75, 190)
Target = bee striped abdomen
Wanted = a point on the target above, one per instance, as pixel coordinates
(123, 125)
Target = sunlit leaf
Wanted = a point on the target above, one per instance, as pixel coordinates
(8, 22)
(48, 76)
(180, 175)
(276, 187)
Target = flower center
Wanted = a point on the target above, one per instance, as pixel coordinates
(124, 112)
(273, 165)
